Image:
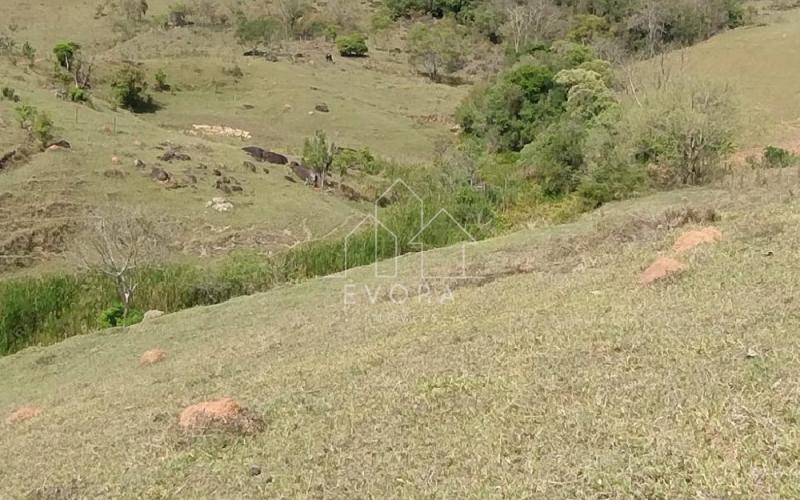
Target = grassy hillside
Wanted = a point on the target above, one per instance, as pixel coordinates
(756, 61)
(98, 172)
(374, 102)
(553, 372)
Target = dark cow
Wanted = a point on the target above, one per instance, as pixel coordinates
(329, 58)
(303, 173)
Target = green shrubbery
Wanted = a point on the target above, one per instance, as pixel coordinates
(774, 157)
(354, 45)
(36, 122)
(130, 89)
(116, 315)
(51, 308)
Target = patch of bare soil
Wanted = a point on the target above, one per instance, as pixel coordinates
(223, 414)
(23, 413)
(152, 357)
(693, 239)
(661, 268)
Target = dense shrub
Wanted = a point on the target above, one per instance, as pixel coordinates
(36, 122)
(9, 94)
(435, 8)
(509, 113)
(130, 89)
(775, 157)
(116, 315)
(261, 33)
(683, 134)
(354, 45)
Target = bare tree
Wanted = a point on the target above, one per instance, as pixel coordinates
(119, 247)
(534, 19)
(291, 12)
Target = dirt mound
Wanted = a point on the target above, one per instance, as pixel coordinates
(224, 413)
(661, 268)
(23, 413)
(693, 239)
(152, 357)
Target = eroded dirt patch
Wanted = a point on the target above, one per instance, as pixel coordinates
(693, 239)
(661, 268)
(23, 414)
(223, 414)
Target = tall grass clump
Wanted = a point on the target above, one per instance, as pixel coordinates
(45, 310)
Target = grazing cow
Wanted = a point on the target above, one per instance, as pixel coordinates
(329, 58)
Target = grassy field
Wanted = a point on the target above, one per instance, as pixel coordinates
(552, 373)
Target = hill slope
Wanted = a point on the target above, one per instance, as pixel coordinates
(756, 62)
(554, 372)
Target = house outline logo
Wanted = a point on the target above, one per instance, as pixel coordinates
(419, 243)
(379, 226)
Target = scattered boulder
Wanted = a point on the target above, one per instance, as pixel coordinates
(23, 413)
(220, 205)
(152, 357)
(160, 175)
(693, 239)
(266, 170)
(277, 159)
(153, 314)
(217, 172)
(226, 413)
(115, 160)
(174, 154)
(322, 108)
(61, 144)
(261, 154)
(661, 268)
(139, 163)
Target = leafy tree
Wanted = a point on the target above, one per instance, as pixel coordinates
(354, 45)
(509, 113)
(37, 123)
(436, 49)
(130, 89)
(260, 32)
(555, 158)
(65, 53)
(318, 154)
(588, 96)
(586, 27)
